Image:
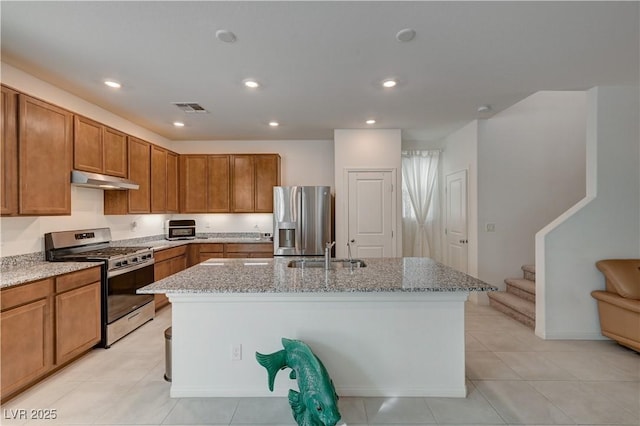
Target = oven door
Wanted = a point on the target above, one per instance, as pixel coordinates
(121, 292)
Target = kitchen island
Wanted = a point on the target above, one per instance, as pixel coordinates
(392, 328)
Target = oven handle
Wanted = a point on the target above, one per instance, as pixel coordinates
(134, 267)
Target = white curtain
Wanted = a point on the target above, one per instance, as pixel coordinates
(421, 204)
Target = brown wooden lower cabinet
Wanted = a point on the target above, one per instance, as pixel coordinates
(46, 324)
(250, 250)
(26, 335)
(77, 321)
(208, 251)
(168, 262)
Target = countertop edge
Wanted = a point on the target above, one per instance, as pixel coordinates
(41, 271)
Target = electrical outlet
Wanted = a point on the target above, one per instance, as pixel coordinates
(236, 351)
(490, 227)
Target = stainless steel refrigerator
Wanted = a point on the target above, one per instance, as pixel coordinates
(301, 220)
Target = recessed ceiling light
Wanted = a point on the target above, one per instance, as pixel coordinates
(484, 108)
(274, 124)
(371, 121)
(389, 83)
(113, 84)
(406, 34)
(225, 36)
(252, 84)
(178, 124)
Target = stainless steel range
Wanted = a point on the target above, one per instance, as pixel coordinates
(124, 270)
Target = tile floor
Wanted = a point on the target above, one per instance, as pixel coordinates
(513, 378)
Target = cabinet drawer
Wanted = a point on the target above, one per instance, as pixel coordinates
(165, 254)
(211, 248)
(20, 295)
(250, 248)
(77, 279)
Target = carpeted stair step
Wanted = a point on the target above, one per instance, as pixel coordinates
(517, 308)
(522, 288)
(529, 272)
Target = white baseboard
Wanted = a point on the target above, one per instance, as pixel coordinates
(187, 392)
(574, 335)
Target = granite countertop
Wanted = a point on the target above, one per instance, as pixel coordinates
(20, 269)
(165, 244)
(20, 274)
(238, 276)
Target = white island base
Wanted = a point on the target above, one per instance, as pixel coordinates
(372, 344)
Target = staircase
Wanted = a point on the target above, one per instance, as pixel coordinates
(519, 301)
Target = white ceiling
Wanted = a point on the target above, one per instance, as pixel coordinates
(320, 63)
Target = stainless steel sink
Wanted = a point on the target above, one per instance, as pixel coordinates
(319, 263)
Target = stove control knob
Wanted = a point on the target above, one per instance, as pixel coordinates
(124, 263)
(118, 264)
(134, 259)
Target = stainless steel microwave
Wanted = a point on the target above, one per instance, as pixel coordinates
(180, 229)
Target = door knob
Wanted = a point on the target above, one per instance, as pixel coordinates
(464, 241)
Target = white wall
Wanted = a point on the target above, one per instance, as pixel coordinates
(531, 169)
(304, 162)
(605, 224)
(368, 148)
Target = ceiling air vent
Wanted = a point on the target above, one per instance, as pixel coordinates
(190, 107)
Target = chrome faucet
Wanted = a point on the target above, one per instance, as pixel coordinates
(327, 254)
(349, 249)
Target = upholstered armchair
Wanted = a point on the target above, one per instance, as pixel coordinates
(619, 303)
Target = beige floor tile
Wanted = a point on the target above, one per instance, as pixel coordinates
(471, 344)
(518, 402)
(398, 410)
(87, 402)
(190, 411)
(500, 341)
(598, 365)
(474, 409)
(534, 366)
(487, 366)
(144, 403)
(263, 411)
(588, 402)
(352, 410)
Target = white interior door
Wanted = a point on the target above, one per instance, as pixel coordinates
(370, 213)
(456, 220)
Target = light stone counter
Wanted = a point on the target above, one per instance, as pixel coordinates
(274, 276)
(20, 274)
(392, 328)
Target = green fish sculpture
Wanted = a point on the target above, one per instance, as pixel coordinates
(317, 402)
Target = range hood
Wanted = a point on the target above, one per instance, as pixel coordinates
(95, 180)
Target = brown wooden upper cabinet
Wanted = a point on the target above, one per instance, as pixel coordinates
(267, 168)
(139, 171)
(9, 152)
(236, 183)
(158, 179)
(164, 180)
(98, 148)
(172, 182)
(204, 183)
(45, 151)
(253, 177)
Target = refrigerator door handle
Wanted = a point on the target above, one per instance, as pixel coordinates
(302, 208)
